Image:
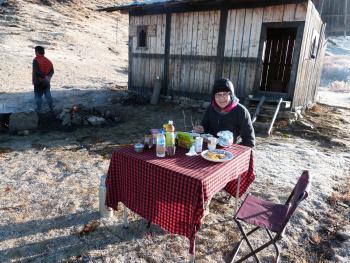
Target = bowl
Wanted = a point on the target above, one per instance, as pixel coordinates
(139, 147)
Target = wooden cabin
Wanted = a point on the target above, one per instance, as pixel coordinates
(336, 14)
(272, 48)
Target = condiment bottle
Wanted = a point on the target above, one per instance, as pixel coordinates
(170, 138)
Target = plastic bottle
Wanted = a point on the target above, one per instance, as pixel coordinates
(160, 149)
(170, 138)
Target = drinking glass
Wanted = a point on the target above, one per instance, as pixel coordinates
(212, 143)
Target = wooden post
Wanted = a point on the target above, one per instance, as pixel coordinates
(221, 43)
(130, 58)
(257, 111)
(345, 14)
(321, 8)
(274, 116)
(166, 53)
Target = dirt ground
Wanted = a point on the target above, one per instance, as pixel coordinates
(329, 126)
(49, 179)
(49, 193)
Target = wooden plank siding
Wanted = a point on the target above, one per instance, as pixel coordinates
(144, 69)
(309, 68)
(242, 43)
(188, 50)
(193, 48)
(336, 14)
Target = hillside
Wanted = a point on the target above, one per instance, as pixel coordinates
(88, 48)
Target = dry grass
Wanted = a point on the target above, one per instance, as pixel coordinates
(346, 195)
(335, 68)
(342, 196)
(316, 238)
(340, 86)
(317, 108)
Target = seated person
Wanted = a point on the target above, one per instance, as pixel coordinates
(225, 113)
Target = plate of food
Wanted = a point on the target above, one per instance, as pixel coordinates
(217, 155)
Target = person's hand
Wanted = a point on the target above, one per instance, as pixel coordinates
(198, 129)
(48, 78)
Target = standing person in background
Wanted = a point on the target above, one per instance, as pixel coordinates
(226, 113)
(41, 77)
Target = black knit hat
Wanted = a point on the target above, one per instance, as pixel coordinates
(223, 85)
(40, 50)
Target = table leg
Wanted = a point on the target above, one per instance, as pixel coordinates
(237, 193)
(126, 223)
(192, 250)
(193, 255)
(206, 208)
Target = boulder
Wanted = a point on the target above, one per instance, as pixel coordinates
(21, 121)
(65, 117)
(343, 234)
(96, 121)
(305, 124)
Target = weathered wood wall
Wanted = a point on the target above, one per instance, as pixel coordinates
(336, 13)
(193, 50)
(146, 63)
(194, 54)
(243, 34)
(309, 69)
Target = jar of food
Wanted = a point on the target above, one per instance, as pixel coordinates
(139, 147)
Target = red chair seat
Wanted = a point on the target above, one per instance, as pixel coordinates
(263, 213)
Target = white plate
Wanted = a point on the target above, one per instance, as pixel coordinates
(228, 156)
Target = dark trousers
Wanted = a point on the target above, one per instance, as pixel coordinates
(40, 89)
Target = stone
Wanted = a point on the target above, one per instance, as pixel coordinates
(65, 117)
(206, 104)
(342, 235)
(77, 119)
(23, 133)
(290, 115)
(96, 121)
(299, 114)
(23, 121)
(167, 98)
(305, 125)
(338, 142)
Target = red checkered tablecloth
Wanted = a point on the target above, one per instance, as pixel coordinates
(171, 191)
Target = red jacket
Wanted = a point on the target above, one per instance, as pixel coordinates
(42, 67)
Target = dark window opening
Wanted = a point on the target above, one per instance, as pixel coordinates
(277, 58)
(314, 48)
(142, 36)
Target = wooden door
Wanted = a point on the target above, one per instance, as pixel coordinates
(277, 59)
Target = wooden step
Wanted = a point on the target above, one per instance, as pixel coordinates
(265, 116)
(286, 104)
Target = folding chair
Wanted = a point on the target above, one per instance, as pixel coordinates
(269, 216)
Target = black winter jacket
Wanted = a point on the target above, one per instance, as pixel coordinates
(237, 121)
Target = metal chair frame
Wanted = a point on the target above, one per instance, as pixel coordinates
(278, 234)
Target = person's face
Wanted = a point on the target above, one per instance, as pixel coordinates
(222, 99)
